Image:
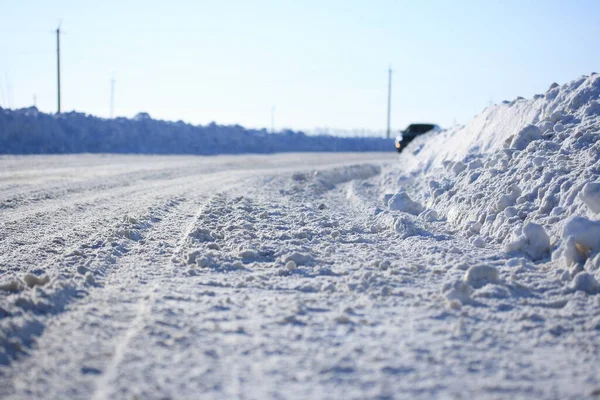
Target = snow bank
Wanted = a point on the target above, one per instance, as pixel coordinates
(28, 131)
(523, 176)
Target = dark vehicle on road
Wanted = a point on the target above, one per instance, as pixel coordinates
(413, 130)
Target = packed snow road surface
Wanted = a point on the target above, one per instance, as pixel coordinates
(285, 276)
(90, 245)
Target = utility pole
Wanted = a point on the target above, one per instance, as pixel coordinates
(112, 97)
(273, 119)
(58, 64)
(389, 101)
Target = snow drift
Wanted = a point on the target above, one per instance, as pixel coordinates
(523, 175)
(27, 131)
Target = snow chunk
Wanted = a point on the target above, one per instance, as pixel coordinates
(510, 211)
(589, 90)
(191, 256)
(531, 239)
(213, 246)
(475, 164)
(593, 108)
(581, 240)
(402, 202)
(457, 291)
(478, 241)
(298, 258)
(429, 215)
(591, 196)
(32, 280)
(558, 128)
(458, 167)
(12, 285)
(539, 161)
(202, 235)
(593, 263)
(525, 136)
(405, 227)
(586, 283)
(131, 234)
(247, 254)
(556, 116)
(480, 275)
(508, 199)
(290, 266)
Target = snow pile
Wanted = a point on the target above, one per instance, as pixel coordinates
(402, 202)
(27, 131)
(522, 176)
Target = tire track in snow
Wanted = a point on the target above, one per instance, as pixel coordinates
(143, 310)
(111, 296)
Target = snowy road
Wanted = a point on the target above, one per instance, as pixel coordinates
(260, 277)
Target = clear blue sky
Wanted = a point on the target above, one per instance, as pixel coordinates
(321, 63)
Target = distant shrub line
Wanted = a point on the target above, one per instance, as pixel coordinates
(28, 131)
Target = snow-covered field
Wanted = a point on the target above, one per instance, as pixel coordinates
(467, 267)
(29, 131)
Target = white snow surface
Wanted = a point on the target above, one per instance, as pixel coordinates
(467, 267)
